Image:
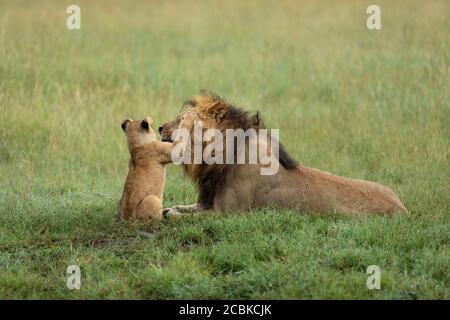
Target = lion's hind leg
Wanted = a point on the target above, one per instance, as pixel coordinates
(150, 208)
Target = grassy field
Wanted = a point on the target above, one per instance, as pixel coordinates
(364, 104)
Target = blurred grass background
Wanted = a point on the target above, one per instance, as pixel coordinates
(359, 103)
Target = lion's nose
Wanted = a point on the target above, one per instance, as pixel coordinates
(160, 129)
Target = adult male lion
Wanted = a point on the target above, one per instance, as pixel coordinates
(240, 187)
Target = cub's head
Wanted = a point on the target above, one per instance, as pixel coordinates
(138, 132)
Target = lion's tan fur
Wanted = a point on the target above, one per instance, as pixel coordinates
(301, 187)
(143, 191)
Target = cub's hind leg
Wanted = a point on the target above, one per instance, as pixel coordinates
(150, 208)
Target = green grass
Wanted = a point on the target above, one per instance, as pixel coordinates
(363, 104)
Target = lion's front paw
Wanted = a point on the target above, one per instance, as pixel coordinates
(170, 212)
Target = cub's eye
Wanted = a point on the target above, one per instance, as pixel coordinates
(144, 125)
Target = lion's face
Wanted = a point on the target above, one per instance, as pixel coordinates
(168, 128)
(207, 111)
(214, 113)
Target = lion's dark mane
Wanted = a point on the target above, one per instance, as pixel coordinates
(211, 178)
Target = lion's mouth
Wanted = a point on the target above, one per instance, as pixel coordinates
(166, 140)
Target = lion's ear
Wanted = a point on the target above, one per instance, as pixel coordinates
(257, 121)
(217, 110)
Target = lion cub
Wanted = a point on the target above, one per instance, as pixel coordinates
(143, 191)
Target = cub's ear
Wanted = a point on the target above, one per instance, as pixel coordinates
(146, 123)
(217, 110)
(124, 123)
